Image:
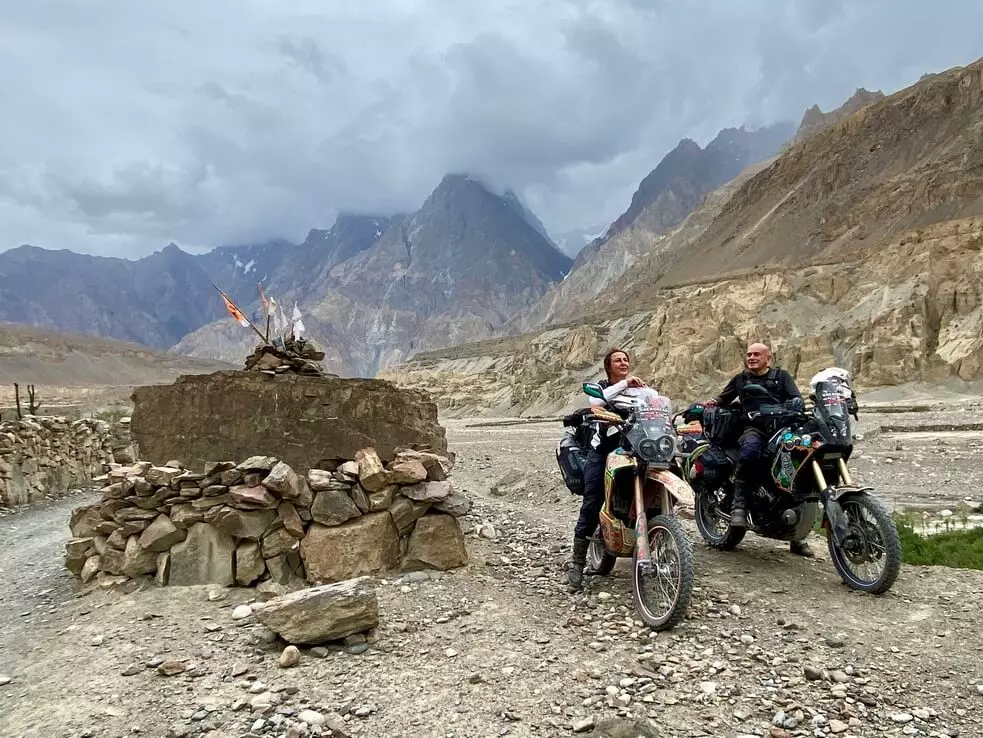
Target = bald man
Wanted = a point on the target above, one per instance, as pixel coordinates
(781, 385)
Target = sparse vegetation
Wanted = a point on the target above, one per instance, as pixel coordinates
(960, 549)
(112, 414)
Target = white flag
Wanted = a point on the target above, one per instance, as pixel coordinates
(298, 322)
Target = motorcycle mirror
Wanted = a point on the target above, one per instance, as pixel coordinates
(593, 389)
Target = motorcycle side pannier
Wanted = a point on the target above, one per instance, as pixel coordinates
(570, 457)
(722, 425)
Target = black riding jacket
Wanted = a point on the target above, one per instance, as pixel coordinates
(777, 381)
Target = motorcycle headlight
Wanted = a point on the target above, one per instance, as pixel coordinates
(657, 450)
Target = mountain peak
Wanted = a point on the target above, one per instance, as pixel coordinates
(815, 120)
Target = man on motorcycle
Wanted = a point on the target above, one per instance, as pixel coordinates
(781, 385)
(616, 365)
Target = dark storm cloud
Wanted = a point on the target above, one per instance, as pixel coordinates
(127, 125)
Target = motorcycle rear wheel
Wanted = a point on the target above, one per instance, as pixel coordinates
(599, 561)
(672, 562)
(709, 524)
(888, 548)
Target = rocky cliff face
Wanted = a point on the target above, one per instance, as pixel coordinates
(676, 186)
(908, 310)
(815, 120)
(860, 246)
(453, 271)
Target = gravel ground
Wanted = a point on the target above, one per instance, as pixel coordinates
(774, 646)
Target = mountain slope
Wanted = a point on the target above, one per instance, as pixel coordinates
(861, 246)
(454, 270)
(675, 187)
(155, 300)
(815, 120)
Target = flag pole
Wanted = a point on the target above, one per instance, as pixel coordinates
(242, 314)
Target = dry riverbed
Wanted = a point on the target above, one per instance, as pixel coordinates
(775, 645)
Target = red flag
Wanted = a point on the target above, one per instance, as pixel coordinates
(234, 311)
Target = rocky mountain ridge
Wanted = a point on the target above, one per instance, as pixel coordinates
(859, 246)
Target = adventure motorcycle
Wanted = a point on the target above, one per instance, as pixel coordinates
(643, 492)
(806, 455)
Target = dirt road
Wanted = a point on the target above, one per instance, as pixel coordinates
(775, 644)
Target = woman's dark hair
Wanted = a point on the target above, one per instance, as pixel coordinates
(607, 359)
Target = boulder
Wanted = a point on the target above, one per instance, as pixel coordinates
(366, 545)
(256, 496)
(288, 515)
(249, 563)
(137, 560)
(405, 512)
(383, 499)
(323, 613)
(319, 479)
(372, 475)
(333, 507)
(436, 543)
(284, 481)
(239, 523)
(161, 534)
(206, 556)
(84, 520)
(427, 492)
(409, 471)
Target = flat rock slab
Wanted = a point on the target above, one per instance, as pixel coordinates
(323, 613)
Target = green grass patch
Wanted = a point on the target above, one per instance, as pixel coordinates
(960, 549)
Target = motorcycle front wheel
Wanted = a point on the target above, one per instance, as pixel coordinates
(871, 559)
(662, 589)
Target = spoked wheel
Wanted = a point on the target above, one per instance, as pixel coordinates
(662, 588)
(713, 521)
(871, 559)
(599, 561)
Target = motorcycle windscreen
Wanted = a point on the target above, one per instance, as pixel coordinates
(831, 406)
(651, 434)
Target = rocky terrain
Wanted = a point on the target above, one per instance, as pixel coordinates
(75, 371)
(775, 645)
(858, 247)
(815, 120)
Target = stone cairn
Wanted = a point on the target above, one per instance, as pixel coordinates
(42, 456)
(260, 524)
(298, 356)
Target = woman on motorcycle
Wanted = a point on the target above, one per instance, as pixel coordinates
(617, 365)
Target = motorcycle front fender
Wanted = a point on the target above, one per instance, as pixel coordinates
(684, 500)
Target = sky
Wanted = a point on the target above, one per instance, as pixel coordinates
(127, 125)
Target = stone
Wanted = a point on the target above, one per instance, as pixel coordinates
(405, 513)
(288, 515)
(322, 613)
(284, 481)
(84, 520)
(137, 560)
(171, 668)
(90, 568)
(163, 574)
(206, 556)
(277, 542)
(287, 570)
(184, 515)
(455, 504)
(77, 551)
(427, 491)
(249, 563)
(241, 612)
(240, 524)
(319, 479)
(161, 476)
(438, 467)
(360, 499)
(409, 471)
(383, 499)
(199, 417)
(257, 463)
(436, 542)
(372, 475)
(290, 657)
(367, 545)
(252, 497)
(333, 507)
(161, 534)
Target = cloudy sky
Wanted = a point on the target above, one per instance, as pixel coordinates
(128, 124)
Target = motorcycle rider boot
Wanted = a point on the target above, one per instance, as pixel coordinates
(801, 548)
(575, 574)
(738, 514)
